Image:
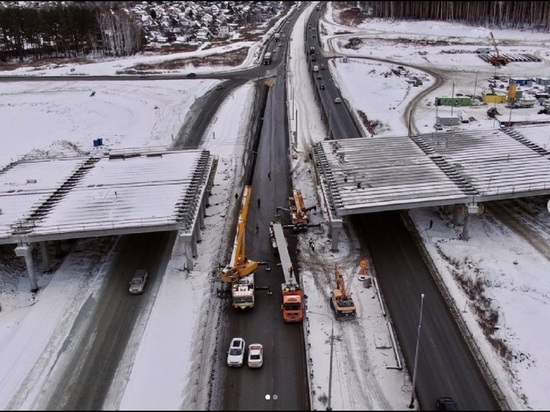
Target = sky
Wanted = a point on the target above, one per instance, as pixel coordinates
(66, 119)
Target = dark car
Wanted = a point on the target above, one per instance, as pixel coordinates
(446, 403)
(192, 75)
(138, 282)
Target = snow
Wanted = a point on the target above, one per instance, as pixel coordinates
(53, 119)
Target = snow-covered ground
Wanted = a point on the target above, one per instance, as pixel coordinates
(50, 118)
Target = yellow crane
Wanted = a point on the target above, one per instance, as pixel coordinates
(240, 265)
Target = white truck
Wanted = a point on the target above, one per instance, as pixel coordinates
(277, 36)
(242, 292)
(315, 68)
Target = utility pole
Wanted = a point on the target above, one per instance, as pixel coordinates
(411, 405)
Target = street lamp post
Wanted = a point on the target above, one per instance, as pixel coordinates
(330, 367)
(329, 408)
(411, 405)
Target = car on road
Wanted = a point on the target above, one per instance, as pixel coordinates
(219, 87)
(192, 75)
(319, 77)
(322, 86)
(446, 403)
(255, 355)
(337, 100)
(235, 354)
(138, 281)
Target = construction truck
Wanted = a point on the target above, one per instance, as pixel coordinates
(240, 272)
(497, 59)
(298, 211)
(243, 292)
(292, 306)
(341, 303)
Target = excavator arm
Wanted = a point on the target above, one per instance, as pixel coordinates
(340, 285)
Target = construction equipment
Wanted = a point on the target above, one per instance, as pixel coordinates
(273, 239)
(497, 59)
(341, 303)
(298, 211)
(293, 295)
(240, 272)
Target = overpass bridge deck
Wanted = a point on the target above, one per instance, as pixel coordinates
(366, 175)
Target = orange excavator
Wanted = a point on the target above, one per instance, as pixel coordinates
(341, 303)
(240, 272)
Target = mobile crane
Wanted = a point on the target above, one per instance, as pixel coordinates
(298, 210)
(240, 272)
(341, 303)
(497, 59)
(292, 306)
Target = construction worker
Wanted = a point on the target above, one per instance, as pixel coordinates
(258, 202)
(257, 227)
(269, 176)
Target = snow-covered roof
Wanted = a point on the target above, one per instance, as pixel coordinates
(126, 191)
(391, 173)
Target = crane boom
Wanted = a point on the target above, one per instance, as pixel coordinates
(495, 45)
(497, 59)
(240, 265)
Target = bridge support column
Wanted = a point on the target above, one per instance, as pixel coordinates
(194, 251)
(25, 250)
(466, 228)
(46, 265)
(457, 212)
(333, 232)
(472, 209)
(188, 265)
(202, 212)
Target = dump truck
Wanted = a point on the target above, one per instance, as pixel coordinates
(340, 301)
(292, 306)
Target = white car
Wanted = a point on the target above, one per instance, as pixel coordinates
(337, 100)
(255, 355)
(138, 282)
(235, 354)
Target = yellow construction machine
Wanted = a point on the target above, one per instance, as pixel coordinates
(341, 303)
(240, 272)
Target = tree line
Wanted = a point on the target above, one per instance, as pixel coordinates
(66, 31)
(517, 15)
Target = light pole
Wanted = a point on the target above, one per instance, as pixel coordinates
(329, 408)
(411, 405)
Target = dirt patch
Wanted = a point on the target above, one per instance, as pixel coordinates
(348, 16)
(231, 59)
